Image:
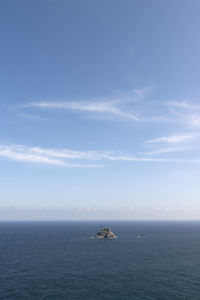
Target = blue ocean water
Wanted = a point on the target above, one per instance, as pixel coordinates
(60, 260)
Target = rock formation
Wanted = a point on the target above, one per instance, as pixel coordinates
(105, 233)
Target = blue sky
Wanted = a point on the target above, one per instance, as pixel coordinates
(100, 110)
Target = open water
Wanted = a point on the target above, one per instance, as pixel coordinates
(60, 260)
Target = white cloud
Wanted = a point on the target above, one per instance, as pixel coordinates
(194, 120)
(167, 150)
(178, 143)
(111, 105)
(173, 139)
(186, 112)
(21, 153)
(142, 92)
(28, 154)
(61, 157)
(91, 107)
(32, 117)
(181, 104)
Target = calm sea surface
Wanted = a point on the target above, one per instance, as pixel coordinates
(60, 260)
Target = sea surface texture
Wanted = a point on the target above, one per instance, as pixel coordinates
(60, 260)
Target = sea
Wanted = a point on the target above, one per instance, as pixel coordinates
(149, 260)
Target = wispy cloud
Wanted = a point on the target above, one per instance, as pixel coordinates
(28, 154)
(127, 106)
(167, 150)
(142, 92)
(193, 120)
(114, 105)
(182, 104)
(186, 112)
(124, 106)
(62, 157)
(92, 107)
(173, 139)
(172, 143)
(32, 117)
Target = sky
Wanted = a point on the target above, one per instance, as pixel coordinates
(99, 110)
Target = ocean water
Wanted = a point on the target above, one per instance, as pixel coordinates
(60, 260)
